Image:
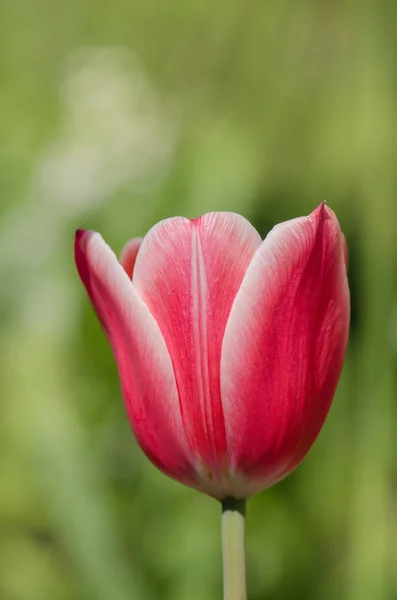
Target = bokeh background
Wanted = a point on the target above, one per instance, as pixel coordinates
(113, 116)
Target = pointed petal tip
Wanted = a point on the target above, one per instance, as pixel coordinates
(86, 245)
(81, 238)
(323, 212)
(80, 233)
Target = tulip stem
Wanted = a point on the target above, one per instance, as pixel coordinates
(233, 549)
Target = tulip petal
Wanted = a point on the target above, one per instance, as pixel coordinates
(145, 367)
(129, 254)
(284, 346)
(188, 273)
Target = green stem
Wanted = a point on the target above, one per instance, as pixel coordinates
(233, 549)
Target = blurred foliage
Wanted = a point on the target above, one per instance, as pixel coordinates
(113, 116)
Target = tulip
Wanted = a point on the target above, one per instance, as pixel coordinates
(229, 348)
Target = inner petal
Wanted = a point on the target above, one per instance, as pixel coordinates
(188, 272)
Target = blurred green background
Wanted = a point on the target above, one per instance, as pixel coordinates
(113, 116)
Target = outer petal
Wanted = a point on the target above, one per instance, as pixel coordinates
(129, 254)
(284, 347)
(188, 273)
(145, 368)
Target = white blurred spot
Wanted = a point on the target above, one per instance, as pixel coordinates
(116, 131)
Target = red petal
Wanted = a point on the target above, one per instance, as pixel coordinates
(129, 254)
(188, 273)
(145, 368)
(284, 346)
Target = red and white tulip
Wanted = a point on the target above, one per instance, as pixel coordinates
(229, 348)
